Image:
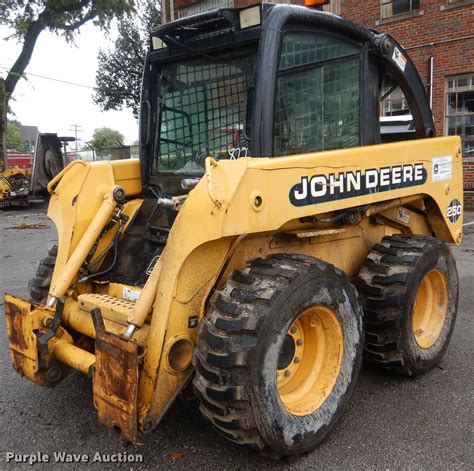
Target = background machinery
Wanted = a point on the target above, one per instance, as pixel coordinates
(19, 187)
(14, 185)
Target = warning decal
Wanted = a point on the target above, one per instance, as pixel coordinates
(442, 168)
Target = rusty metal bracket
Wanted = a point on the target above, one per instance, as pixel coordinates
(115, 383)
(43, 339)
(21, 338)
(23, 320)
(97, 319)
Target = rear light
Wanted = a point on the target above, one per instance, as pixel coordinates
(314, 3)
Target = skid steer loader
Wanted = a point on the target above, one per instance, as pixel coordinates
(266, 238)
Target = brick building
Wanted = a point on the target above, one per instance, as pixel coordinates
(438, 35)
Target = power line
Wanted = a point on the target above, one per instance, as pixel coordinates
(47, 78)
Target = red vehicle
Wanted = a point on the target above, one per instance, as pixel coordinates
(20, 160)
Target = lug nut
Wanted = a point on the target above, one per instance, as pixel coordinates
(287, 373)
(299, 342)
(147, 426)
(53, 374)
(297, 359)
(293, 330)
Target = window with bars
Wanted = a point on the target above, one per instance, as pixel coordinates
(202, 112)
(391, 8)
(317, 103)
(334, 6)
(394, 104)
(203, 6)
(460, 110)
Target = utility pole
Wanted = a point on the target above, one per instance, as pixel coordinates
(76, 128)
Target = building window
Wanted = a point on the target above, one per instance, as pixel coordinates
(203, 6)
(394, 104)
(333, 7)
(397, 7)
(460, 110)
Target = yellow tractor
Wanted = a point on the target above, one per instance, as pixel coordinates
(14, 185)
(269, 234)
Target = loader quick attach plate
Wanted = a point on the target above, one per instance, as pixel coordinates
(115, 383)
(23, 349)
(23, 320)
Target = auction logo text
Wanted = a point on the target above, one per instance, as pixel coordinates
(63, 457)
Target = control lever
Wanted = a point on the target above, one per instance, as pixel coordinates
(189, 183)
(174, 203)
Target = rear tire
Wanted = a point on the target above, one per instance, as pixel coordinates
(257, 336)
(39, 285)
(409, 290)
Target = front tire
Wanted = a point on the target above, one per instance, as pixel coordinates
(39, 285)
(279, 353)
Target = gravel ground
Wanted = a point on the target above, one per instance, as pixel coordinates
(391, 422)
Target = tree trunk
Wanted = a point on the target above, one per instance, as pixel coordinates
(3, 126)
(7, 86)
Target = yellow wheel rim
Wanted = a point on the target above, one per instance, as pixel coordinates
(430, 309)
(310, 360)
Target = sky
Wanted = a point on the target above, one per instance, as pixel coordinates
(53, 106)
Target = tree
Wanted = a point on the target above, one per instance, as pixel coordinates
(28, 18)
(119, 72)
(105, 138)
(13, 135)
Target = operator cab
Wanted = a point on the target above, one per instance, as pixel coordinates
(270, 80)
(265, 81)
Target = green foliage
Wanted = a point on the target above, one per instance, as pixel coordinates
(14, 140)
(62, 17)
(119, 73)
(105, 138)
(28, 18)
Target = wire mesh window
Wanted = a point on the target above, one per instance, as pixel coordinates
(460, 110)
(397, 7)
(317, 108)
(203, 105)
(301, 49)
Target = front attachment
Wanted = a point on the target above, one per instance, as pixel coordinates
(115, 383)
(23, 326)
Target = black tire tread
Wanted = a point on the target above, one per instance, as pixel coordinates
(39, 285)
(381, 284)
(227, 337)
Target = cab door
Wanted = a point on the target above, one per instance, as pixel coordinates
(325, 93)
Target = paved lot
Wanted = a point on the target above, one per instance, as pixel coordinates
(391, 422)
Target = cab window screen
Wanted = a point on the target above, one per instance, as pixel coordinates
(202, 112)
(317, 103)
(302, 49)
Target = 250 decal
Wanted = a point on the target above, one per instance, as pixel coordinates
(454, 211)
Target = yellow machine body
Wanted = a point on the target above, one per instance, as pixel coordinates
(240, 210)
